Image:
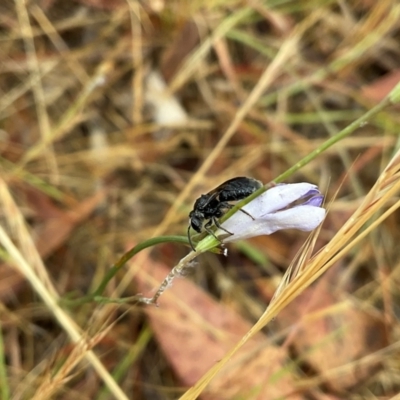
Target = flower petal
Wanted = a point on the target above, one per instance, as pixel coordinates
(274, 210)
(304, 217)
(315, 201)
(278, 197)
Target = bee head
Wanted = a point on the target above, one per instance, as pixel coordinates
(196, 219)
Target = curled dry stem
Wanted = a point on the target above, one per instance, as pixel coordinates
(178, 270)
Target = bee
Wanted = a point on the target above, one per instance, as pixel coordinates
(213, 205)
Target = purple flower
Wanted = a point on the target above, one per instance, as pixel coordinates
(285, 206)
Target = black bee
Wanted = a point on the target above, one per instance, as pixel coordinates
(214, 204)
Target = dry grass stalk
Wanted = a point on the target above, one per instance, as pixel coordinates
(25, 258)
(69, 70)
(381, 194)
(54, 382)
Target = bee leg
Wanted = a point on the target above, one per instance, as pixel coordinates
(243, 211)
(218, 225)
(228, 205)
(190, 239)
(208, 225)
(208, 230)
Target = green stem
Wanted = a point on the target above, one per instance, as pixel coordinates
(360, 122)
(4, 386)
(97, 294)
(132, 252)
(392, 98)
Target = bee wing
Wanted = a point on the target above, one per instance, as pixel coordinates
(237, 188)
(231, 184)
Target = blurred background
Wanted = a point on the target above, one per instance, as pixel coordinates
(114, 117)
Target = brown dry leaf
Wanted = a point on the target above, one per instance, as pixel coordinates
(281, 23)
(195, 331)
(324, 396)
(56, 230)
(104, 4)
(11, 282)
(256, 373)
(331, 334)
(49, 236)
(183, 43)
(276, 245)
(381, 87)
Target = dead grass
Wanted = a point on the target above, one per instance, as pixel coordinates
(96, 157)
